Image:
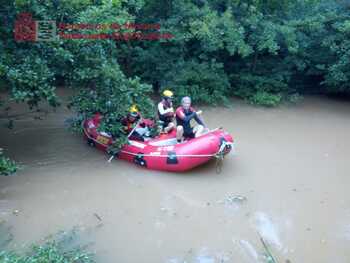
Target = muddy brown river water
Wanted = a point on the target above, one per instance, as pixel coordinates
(288, 182)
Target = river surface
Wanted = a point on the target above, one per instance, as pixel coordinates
(287, 183)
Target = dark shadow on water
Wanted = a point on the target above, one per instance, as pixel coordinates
(211, 168)
(205, 169)
(342, 97)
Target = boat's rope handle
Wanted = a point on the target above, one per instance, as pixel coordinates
(220, 156)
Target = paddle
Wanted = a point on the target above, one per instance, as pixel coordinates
(137, 124)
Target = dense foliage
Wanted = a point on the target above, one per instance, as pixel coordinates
(263, 51)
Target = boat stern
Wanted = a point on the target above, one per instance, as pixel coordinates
(226, 142)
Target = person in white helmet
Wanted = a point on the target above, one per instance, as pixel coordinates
(184, 114)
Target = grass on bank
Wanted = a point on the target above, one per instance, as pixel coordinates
(64, 247)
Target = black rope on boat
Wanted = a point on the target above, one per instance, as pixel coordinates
(220, 155)
(219, 162)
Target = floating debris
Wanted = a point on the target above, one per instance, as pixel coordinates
(97, 216)
(267, 229)
(233, 199)
(15, 212)
(268, 255)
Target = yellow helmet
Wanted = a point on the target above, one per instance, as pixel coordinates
(134, 110)
(168, 93)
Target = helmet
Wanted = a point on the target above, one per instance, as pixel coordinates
(168, 93)
(133, 111)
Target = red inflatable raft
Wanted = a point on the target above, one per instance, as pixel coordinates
(163, 152)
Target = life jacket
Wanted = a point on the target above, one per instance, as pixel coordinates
(168, 117)
(179, 121)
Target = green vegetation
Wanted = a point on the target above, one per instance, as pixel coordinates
(48, 252)
(62, 248)
(7, 166)
(265, 52)
(258, 50)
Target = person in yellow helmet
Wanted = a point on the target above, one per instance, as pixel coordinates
(166, 111)
(134, 111)
(134, 123)
(130, 120)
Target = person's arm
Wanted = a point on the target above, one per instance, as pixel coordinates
(199, 120)
(185, 118)
(162, 111)
(124, 123)
(170, 111)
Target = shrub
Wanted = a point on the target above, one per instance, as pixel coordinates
(7, 166)
(60, 249)
(265, 99)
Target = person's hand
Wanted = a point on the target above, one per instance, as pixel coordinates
(199, 112)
